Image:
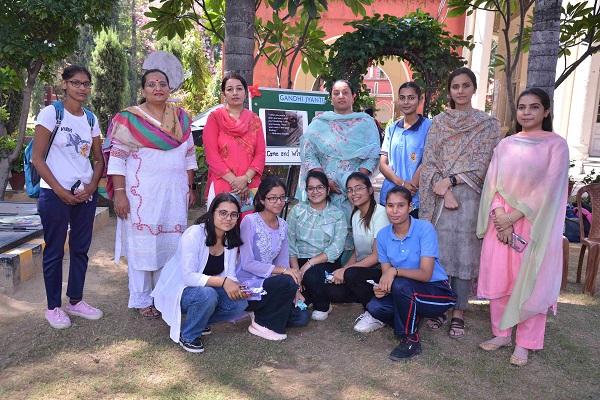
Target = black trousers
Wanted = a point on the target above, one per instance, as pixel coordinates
(355, 289)
(276, 309)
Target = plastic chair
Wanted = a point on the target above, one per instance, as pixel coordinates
(592, 240)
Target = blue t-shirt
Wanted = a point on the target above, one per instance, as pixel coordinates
(421, 241)
(404, 149)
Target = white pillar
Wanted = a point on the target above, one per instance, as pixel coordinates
(480, 24)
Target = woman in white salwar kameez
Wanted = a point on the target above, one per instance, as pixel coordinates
(151, 163)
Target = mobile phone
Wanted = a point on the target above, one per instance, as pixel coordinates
(75, 186)
(372, 282)
(518, 243)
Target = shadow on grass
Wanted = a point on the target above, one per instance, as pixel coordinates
(125, 356)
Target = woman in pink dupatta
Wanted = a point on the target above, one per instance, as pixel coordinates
(525, 193)
(234, 145)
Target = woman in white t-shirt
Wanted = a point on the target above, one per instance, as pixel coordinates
(350, 282)
(68, 194)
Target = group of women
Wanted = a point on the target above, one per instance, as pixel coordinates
(449, 182)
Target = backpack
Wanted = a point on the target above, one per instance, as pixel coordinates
(32, 178)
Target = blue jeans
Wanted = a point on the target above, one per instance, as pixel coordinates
(56, 217)
(205, 305)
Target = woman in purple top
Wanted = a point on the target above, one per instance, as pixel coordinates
(264, 261)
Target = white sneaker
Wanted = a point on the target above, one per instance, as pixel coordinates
(366, 323)
(57, 318)
(321, 315)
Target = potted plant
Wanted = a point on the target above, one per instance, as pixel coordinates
(17, 175)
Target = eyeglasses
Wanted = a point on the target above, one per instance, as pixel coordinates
(356, 189)
(161, 84)
(228, 215)
(78, 84)
(315, 189)
(409, 98)
(275, 199)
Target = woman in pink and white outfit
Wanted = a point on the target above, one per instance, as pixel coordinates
(525, 193)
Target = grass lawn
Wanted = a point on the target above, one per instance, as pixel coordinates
(123, 356)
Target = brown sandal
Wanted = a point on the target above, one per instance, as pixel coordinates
(457, 328)
(149, 312)
(436, 323)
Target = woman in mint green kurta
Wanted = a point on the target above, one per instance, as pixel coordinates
(338, 143)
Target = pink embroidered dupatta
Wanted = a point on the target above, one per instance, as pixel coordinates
(530, 171)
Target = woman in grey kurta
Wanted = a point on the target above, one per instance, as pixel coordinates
(458, 151)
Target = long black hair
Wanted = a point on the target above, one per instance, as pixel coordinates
(321, 177)
(454, 74)
(366, 220)
(266, 185)
(232, 238)
(545, 100)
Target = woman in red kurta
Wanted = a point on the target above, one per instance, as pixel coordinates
(234, 145)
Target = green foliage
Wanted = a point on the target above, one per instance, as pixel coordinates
(213, 91)
(416, 38)
(291, 35)
(45, 30)
(7, 146)
(202, 171)
(109, 70)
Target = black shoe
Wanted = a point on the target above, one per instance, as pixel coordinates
(405, 350)
(206, 331)
(195, 346)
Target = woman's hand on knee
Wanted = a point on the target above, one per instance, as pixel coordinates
(233, 290)
(385, 283)
(338, 276)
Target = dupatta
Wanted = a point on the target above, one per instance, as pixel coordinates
(132, 128)
(458, 143)
(340, 137)
(530, 171)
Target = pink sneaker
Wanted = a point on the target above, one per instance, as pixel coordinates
(265, 333)
(84, 310)
(57, 318)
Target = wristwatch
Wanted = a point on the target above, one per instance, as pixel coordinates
(452, 180)
(249, 180)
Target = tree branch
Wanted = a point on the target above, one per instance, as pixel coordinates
(210, 22)
(590, 50)
(297, 50)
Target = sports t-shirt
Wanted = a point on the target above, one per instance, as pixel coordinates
(68, 158)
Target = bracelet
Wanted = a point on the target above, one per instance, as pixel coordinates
(115, 189)
(453, 180)
(223, 284)
(509, 219)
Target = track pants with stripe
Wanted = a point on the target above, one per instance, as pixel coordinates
(409, 301)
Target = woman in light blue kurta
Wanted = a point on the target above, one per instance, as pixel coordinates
(338, 143)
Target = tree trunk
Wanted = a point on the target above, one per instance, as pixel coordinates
(239, 37)
(5, 163)
(545, 42)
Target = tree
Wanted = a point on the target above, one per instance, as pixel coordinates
(510, 12)
(33, 34)
(544, 48)
(417, 38)
(109, 69)
(238, 49)
(282, 36)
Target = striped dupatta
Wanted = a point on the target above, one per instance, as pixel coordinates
(133, 129)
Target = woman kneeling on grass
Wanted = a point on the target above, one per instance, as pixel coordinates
(413, 283)
(264, 261)
(199, 280)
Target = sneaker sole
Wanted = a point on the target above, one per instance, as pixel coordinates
(191, 350)
(206, 333)
(85, 316)
(255, 332)
(368, 330)
(394, 358)
(55, 326)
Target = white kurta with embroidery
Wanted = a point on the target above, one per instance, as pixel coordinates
(156, 185)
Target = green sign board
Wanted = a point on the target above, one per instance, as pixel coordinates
(285, 115)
